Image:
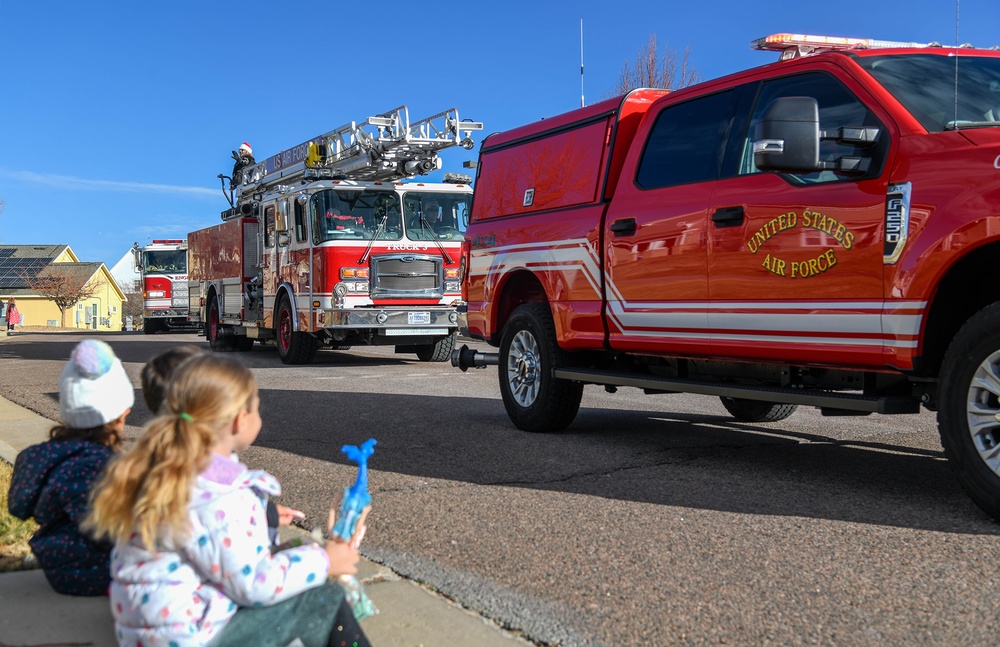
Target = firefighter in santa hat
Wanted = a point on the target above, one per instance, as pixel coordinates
(244, 159)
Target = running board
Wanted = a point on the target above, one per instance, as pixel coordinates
(837, 401)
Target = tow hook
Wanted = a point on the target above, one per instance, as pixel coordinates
(466, 358)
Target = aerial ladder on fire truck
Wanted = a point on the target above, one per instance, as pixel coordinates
(383, 148)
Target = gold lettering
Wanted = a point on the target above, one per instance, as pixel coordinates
(814, 266)
(774, 265)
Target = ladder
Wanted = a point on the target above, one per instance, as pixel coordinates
(384, 147)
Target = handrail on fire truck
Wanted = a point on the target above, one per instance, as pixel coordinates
(384, 147)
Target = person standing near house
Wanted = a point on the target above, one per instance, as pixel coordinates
(13, 316)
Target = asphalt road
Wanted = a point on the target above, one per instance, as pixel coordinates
(654, 520)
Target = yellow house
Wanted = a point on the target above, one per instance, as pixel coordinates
(39, 277)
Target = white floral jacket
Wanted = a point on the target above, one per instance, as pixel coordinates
(184, 597)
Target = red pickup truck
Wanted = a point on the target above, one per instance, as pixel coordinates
(821, 231)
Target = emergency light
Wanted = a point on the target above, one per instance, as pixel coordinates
(795, 45)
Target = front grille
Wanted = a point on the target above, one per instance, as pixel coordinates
(402, 276)
(179, 298)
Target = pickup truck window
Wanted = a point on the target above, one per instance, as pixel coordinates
(838, 107)
(942, 92)
(686, 143)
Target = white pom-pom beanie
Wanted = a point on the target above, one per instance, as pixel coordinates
(93, 387)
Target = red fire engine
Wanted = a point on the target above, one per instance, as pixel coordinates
(820, 231)
(163, 267)
(326, 245)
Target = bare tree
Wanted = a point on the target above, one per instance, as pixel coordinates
(64, 288)
(653, 70)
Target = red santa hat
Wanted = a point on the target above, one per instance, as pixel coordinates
(246, 147)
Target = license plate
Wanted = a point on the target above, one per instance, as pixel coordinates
(418, 318)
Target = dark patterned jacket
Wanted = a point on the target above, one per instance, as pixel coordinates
(51, 483)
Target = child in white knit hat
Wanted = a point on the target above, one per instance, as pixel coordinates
(52, 481)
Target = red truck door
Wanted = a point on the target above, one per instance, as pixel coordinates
(795, 261)
(656, 231)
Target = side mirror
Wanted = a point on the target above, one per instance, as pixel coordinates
(787, 138)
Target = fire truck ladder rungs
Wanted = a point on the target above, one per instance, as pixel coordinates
(384, 147)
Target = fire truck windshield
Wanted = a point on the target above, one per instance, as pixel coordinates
(346, 214)
(173, 261)
(435, 215)
(942, 92)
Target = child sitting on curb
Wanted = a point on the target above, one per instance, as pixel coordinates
(52, 480)
(192, 564)
(154, 377)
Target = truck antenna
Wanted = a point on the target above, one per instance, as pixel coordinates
(582, 104)
(956, 60)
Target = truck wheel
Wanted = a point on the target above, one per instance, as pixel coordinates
(293, 347)
(535, 401)
(439, 351)
(149, 326)
(757, 410)
(243, 344)
(215, 331)
(969, 408)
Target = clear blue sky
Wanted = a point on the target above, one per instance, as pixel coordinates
(116, 117)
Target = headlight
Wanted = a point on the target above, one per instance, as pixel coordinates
(157, 294)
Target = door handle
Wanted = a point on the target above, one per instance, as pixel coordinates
(728, 217)
(623, 227)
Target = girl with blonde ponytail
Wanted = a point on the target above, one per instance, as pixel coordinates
(192, 560)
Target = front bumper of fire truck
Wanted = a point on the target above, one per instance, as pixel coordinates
(160, 313)
(431, 321)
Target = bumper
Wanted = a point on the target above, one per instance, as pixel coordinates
(390, 322)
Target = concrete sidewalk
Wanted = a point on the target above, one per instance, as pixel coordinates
(410, 615)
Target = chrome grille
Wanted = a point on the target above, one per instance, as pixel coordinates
(407, 276)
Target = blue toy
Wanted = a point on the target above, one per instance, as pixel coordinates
(356, 497)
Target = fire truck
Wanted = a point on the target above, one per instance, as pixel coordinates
(162, 265)
(328, 245)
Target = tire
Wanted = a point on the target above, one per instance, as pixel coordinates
(440, 351)
(757, 410)
(215, 331)
(293, 347)
(243, 344)
(150, 326)
(969, 408)
(535, 401)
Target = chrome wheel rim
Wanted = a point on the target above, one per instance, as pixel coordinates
(983, 411)
(523, 368)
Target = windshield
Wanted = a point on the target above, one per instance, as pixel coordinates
(166, 262)
(442, 216)
(345, 214)
(942, 92)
